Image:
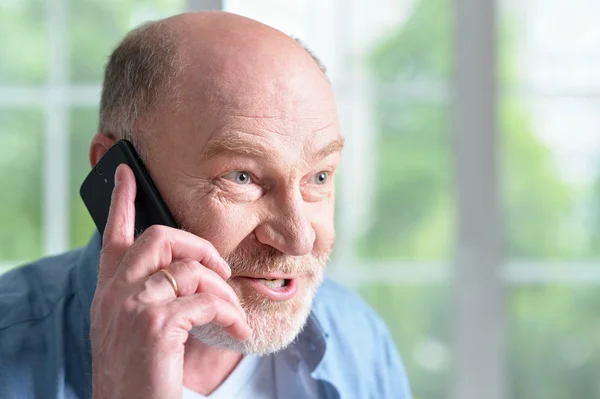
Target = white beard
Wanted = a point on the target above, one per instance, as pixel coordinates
(274, 324)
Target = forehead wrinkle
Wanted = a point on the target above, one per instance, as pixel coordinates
(256, 116)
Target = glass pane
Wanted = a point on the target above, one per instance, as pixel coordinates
(550, 81)
(554, 351)
(420, 321)
(550, 177)
(96, 26)
(83, 125)
(412, 212)
(23, 43)
(21, 134)
(550, 129)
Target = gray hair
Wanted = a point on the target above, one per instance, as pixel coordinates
(139, 74)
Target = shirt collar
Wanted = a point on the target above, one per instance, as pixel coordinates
(311, 342)
(310, 345)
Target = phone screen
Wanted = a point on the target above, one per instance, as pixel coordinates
(97, 188)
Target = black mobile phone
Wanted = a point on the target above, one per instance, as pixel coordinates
(97, 188)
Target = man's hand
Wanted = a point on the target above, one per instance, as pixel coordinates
(138, 325)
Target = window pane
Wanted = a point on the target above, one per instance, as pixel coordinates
(412, 212)
(554, 350)
(419, 320)
(23, 43)
(550, 129)
(550, 80)
(550, 177)
(20, 178)
(96, 26)
(83, 124)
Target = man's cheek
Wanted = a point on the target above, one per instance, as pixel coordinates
(227, 227)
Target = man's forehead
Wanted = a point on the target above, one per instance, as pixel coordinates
(305, 96)
(263, 78)
(268, 86)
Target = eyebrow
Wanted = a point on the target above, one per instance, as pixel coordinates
(238, 146)
(335, 146)
(233, 145)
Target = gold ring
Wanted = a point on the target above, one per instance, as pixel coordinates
(171, 280)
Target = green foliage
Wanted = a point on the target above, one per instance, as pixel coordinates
(98, 25)
(21, 183)
(417, 315)
(82, 120)
(22, 27)
(536, 204)
(420, 49)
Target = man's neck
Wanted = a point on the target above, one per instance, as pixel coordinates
(205, 367)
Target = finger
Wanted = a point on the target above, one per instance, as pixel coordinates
(119, 231)
(201, 309)
(159, 246)
(191, 278)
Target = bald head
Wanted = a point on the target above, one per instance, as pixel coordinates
(211, 50)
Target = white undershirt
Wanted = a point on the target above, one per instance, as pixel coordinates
(253, 378)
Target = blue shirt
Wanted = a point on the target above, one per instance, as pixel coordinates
(45, 348)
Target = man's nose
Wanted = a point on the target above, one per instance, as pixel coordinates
(287, 226)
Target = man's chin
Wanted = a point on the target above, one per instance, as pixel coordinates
(272, 329)
(274, 324)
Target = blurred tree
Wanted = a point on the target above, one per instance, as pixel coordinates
(21, 184)
(22, 27)
(21, 129)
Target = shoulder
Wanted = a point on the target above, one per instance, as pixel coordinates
(338, 307)
(30, 292)
(359, 344)
(42, 344)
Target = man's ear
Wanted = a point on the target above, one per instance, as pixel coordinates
(100, 144)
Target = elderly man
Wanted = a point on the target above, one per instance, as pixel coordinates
(237, 125)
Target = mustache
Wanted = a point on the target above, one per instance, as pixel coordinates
(264, 259)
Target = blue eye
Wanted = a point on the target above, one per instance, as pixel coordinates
(320, 178)
(240, 177)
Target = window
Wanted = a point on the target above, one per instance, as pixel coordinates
(53, 57)
(550, 65)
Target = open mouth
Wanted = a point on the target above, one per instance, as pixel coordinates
(275, 289)
(275, 283)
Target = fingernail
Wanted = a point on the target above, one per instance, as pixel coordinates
(118, 175)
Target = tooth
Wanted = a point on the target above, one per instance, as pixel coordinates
(273, 283)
